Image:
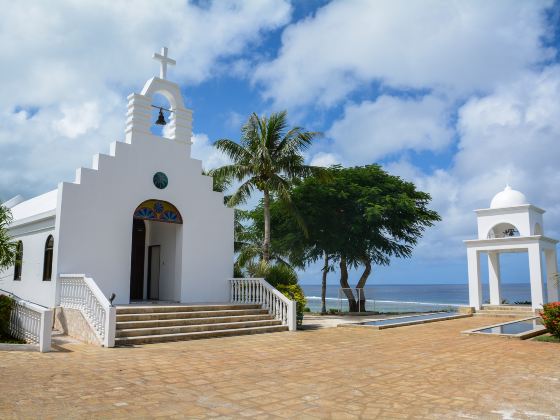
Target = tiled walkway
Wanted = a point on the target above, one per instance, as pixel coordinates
(424, 371)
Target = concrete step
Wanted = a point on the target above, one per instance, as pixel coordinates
(154, 323)
(139, 332)
(123, 341)
(522, 314)
(186, 315)
(151, 309)
(512, 308)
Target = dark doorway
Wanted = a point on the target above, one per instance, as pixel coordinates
(137, 260)
(154, 252)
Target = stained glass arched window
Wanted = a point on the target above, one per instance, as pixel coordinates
(48, 259)
(159, 211)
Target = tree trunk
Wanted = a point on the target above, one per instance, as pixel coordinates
(266, 239)
(352, 304)
(324, 284)
(361, 284)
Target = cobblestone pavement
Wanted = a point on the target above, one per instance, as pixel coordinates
(423, 371)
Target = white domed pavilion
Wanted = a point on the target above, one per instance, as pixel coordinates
(511, 224)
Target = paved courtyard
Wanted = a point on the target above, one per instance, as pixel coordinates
(424, 371)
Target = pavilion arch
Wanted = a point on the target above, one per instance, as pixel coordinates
(502, 230)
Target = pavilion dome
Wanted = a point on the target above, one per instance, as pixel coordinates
(508, 198)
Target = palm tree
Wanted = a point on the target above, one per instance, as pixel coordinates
(269, 159)
(7, 246)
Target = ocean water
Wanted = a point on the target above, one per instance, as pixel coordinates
(411, 297)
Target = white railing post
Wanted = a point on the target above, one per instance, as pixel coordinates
(110, 325)
(292, 315)
(45, 331)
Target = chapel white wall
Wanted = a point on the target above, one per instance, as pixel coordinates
(95, 216)
(31, 287)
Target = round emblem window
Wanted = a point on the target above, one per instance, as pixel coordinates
(160, 180)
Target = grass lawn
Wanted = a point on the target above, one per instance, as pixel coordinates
(548, 338)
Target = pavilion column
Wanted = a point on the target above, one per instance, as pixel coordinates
(551, 272)
(475, 286)
(494, 277)
(535, 275)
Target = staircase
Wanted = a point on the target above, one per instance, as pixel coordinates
(518, 311)
(145, 324)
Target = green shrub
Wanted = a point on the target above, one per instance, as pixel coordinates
(280, 274)
(551, 318)
(333, 311)
(6, 305)
(275, 274)
(307, 309)
(294, 292)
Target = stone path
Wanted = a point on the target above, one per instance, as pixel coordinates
(423, 371)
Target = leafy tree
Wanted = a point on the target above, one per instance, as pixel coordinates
(7, 246)
(359, 216)
(290, 244)
(269, 159)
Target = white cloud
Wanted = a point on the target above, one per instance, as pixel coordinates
(78, 120)
(324, 159)
(203, 149)
(71, 64)
(438, 44)
(372, 130)
(235, 120)
(510, 136)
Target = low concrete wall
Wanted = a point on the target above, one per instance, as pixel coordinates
(71, 322)
(466, 310)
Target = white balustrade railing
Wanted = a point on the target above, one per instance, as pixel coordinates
(259, 291)
(82, 293)
(31, 323)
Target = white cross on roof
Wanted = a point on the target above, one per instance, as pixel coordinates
(164, 61)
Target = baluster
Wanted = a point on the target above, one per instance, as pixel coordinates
(238, 291)
(250, 291)
(267, 294)
(255, 291)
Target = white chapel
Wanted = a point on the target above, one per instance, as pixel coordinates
(142, 222)
(511, 224)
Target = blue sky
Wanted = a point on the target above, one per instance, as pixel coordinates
(459, 97)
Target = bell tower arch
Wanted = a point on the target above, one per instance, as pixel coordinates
(139, 111)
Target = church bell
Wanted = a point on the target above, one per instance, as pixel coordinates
(161, 118)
